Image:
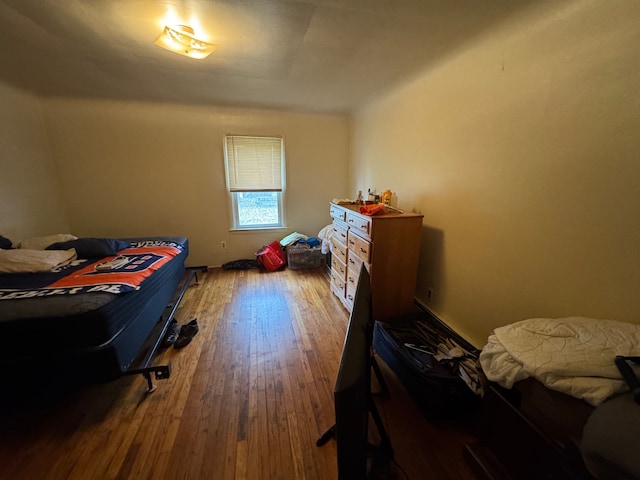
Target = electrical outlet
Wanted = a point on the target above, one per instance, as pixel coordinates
(223, 244)
(429, 293)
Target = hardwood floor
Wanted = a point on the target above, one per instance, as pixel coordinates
(247, 399)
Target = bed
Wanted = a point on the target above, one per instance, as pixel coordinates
(95, 315)
(558, 405)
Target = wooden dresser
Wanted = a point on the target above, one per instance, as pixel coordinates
(388, 245)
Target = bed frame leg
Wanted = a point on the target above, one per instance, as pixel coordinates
(150, 385)
(202, 268)
(161, 371)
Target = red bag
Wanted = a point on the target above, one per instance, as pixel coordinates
(271, 257)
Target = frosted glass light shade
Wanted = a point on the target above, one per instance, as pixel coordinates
(180, 39)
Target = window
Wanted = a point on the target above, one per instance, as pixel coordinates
(255, 180)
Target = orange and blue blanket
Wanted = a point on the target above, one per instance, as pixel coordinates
(118, 274)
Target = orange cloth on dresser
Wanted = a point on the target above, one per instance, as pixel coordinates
(373, 209)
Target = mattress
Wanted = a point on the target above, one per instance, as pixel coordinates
(87, 321)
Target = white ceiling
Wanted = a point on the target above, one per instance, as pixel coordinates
(313, 55)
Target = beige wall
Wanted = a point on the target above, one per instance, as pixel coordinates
(129, 169)
(522, 152)
(30, 203)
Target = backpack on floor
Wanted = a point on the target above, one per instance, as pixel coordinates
(271, 257)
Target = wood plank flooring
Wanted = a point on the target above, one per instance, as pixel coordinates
(247, 399)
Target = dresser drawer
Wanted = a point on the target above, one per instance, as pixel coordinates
(362, 224)
(354, 262)
(340, 231)
(359, 246)
(349, 297)
(339, 250)
(338, 266)
(338, 293)
(338, 285)
(352, 278)
(337, 212)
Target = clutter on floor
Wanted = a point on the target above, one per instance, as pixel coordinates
(271, 257)
(296, 250)
(440, 372)
(242, 264)
(187, 332)
(180, 336)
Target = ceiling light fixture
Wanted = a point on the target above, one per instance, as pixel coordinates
(181, 39)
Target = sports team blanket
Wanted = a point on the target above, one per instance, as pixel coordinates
(117, 274)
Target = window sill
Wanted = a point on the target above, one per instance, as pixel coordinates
(257, 229)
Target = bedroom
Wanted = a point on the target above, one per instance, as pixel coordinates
(518, 145)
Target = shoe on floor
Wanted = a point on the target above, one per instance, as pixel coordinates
(187, 332)
(171, 334)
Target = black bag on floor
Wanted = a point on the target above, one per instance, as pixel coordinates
(439, 393)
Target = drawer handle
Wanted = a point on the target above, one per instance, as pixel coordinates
(351, 279)
(342, 252)
(350, 297)
(363, 250)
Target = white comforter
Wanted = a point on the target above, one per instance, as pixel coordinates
(573, 355)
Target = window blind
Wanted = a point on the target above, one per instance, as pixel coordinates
(254, 164)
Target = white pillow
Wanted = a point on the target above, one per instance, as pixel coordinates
(29, 261)
(40, 243)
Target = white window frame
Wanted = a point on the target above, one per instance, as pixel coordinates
(234, 195)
